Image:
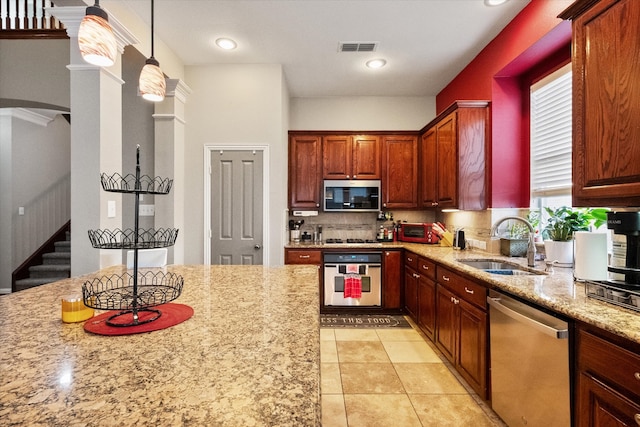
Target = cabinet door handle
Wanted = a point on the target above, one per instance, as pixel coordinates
(637, 418)
(469, 291)
(317, 205)
(425, 267)
(445, 278)
(305, 256)
(410, 259)
(417, 276)
(637, 375)
(347, 176)
(355, 176)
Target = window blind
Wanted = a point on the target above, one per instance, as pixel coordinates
(551, 123)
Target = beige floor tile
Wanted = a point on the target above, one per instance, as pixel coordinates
(446, 410)
(327, 335)
(361, 352)
(410, 352)
(428, 378)
(333, 411)
(380, 410)
(398, 334)
(370, 378)
(349, 334)
(328, 351)
(330, 377)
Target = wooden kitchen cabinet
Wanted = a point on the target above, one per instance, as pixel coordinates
(305, 173)
(303, 256)
(411, 284)
(426, 297)
(453, 158)
(606, 102)
(461, 327)
(392, 279)
(607, 380)
(351, 157)
(399, 171)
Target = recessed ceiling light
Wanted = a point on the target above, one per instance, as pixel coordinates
(376, 63)
(226, 44)
(494, 2)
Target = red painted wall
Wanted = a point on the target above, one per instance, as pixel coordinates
(535, 36)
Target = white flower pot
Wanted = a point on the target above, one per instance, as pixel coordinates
(561, 252)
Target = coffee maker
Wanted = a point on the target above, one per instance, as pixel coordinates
(628, 224)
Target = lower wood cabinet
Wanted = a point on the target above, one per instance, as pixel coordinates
(461, 327)
(426, 297)
(411, 284)
(392, 280)
(607, 380)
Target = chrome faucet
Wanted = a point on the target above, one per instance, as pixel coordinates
(531, 247)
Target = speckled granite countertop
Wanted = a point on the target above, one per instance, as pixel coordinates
(557, 291)
(249, 356)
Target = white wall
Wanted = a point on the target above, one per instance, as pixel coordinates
(47, 80)
(367, 113)
(235, 105)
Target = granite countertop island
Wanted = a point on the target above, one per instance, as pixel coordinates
(249, 356)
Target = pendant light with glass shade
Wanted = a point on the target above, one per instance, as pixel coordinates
(152, 83)
(96, 40)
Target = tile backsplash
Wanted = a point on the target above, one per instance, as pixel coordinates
(356, 225)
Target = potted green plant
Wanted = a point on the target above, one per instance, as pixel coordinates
(562, 223)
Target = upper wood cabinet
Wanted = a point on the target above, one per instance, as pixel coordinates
(453, 158)
(399, 171)
(606, 102)
(351, 157)
(305, 173)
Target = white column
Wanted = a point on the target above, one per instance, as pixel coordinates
(169, 162)
(96, 143)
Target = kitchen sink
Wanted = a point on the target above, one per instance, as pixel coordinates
(499, 267)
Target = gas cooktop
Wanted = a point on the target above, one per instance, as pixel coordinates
(350, 241)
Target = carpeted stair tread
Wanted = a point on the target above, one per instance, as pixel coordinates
(51, 270)
(53, 258)
(33, 282)
(63, 246)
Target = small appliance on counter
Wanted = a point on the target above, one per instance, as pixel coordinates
(294, 230)
(423, 232)
(625, 293)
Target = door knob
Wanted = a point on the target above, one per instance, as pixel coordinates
(257, 247)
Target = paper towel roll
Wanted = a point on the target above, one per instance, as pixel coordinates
(590, 256)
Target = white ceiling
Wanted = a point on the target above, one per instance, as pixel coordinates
(425, 42)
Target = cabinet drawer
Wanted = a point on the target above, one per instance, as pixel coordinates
(302, 256)
(427, 268)
(411, 260)
(613, 364)
(464, 288)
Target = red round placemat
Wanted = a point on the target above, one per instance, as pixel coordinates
(172, 314)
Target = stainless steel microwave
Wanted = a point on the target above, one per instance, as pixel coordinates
(351, 196)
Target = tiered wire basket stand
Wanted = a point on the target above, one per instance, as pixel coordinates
(133, 292)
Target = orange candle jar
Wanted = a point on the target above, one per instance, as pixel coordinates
(74, 310)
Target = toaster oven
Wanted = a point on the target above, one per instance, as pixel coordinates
(418, 233)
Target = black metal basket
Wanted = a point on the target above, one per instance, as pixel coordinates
(146, 184)
(132, 293)
(129, 239)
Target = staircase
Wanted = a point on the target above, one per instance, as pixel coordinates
(55, 265)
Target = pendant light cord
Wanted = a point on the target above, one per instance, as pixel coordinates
(152, 28)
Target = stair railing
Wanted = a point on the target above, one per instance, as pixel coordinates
(21, 18)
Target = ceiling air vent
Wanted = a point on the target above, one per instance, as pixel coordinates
(358, 46)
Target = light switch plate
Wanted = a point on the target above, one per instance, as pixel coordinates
(147, 210)
(111, 209)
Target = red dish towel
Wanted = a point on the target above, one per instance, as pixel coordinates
(352, 286)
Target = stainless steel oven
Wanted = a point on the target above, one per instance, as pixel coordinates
(368, 268)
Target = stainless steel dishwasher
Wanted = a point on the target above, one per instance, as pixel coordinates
(530, 383)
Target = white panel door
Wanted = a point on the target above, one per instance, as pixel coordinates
(236, 207)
